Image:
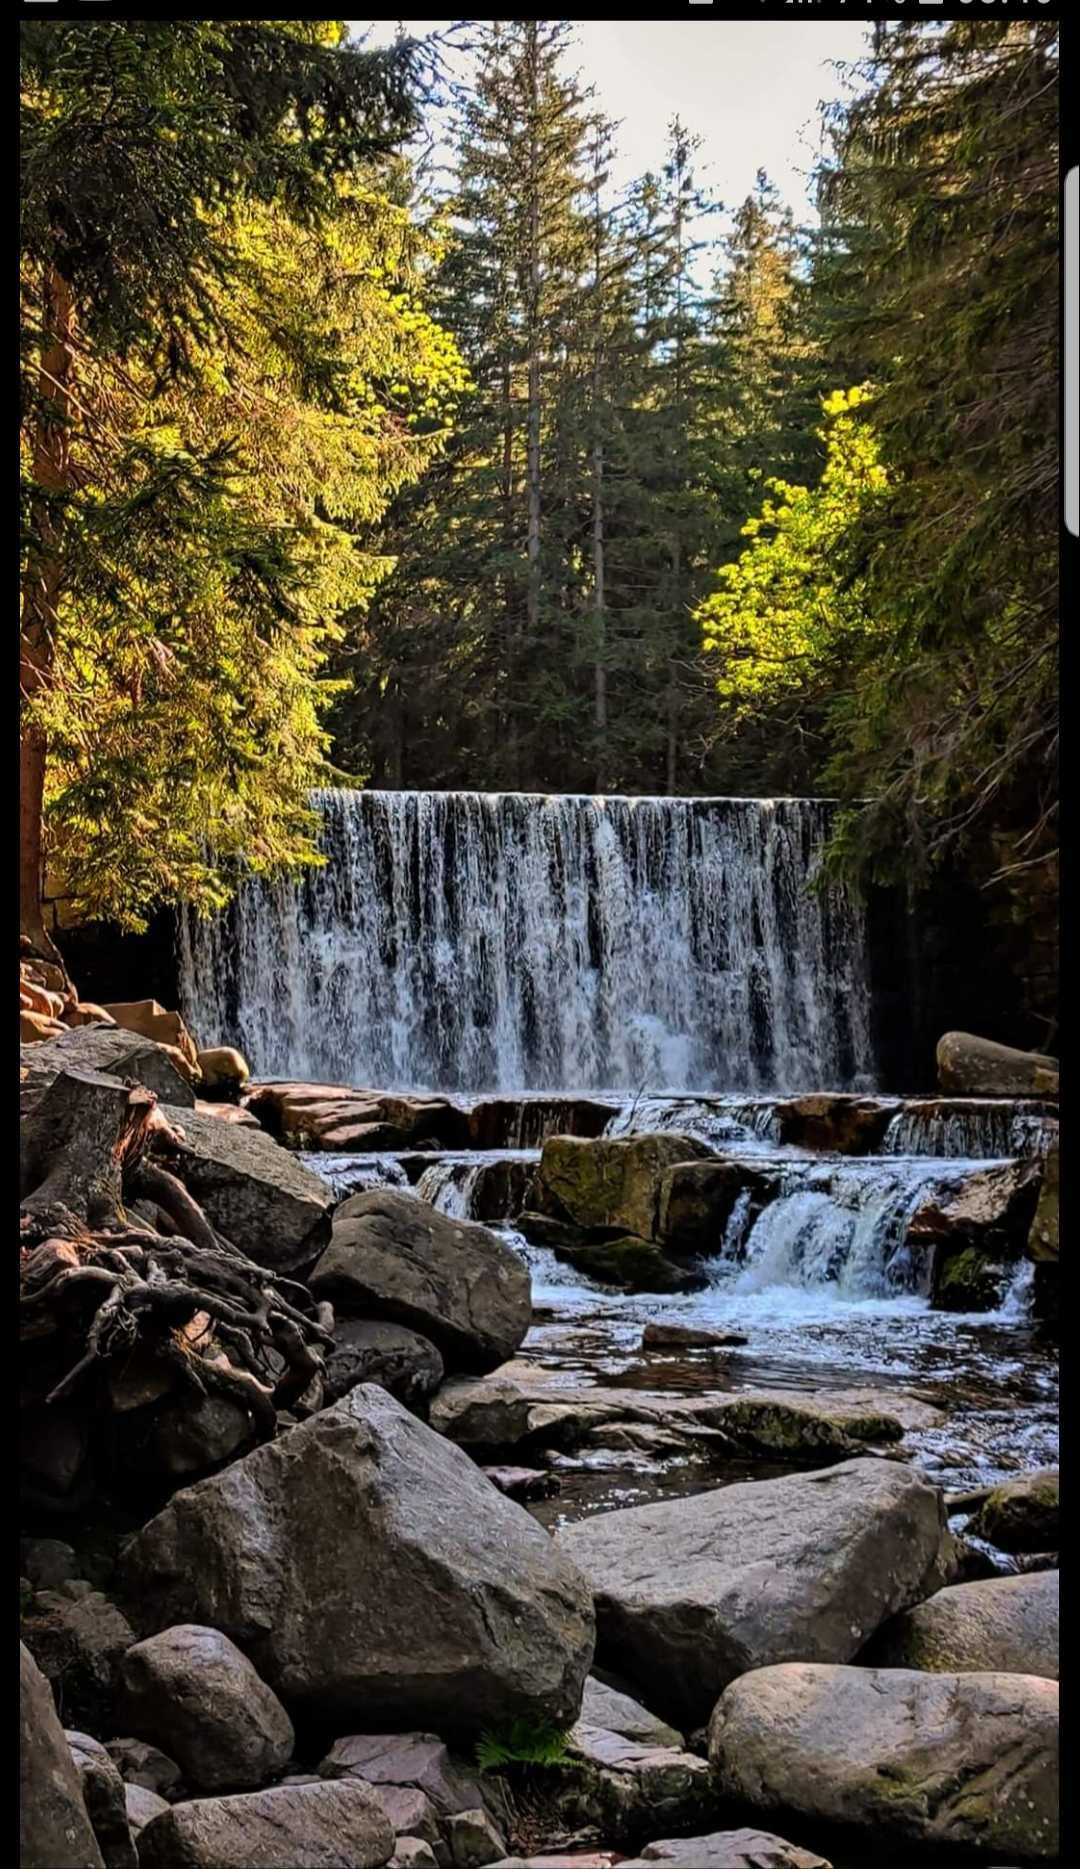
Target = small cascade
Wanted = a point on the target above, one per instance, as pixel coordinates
(969, 1127)
(508, 941)
(489, 1187)
(737, 1121)
(356, 1174)
(841, 1225)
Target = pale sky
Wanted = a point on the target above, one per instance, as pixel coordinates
(750, 88)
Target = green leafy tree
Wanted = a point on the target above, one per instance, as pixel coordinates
(939, 277)
(229, 371)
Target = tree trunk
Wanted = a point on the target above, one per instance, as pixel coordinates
(532, 469)
(75, 1147)
(44, 572)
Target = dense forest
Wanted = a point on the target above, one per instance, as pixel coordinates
(339, 467)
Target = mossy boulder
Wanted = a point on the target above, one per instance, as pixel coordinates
(1021, 1515)
(631, 1264)
(611, 1181)
(971, 1281)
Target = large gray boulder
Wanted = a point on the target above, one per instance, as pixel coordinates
(457, 1283)
(54, 1829)
(254, 1191)
(1005, 1625)
(321, 1826)
(368, 1568)
(190, 1691)
(957, 1759)
(692, 1592)
(114, 1053)
(979, 1067)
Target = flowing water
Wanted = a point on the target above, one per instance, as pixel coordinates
(678, 960)
(507, 941)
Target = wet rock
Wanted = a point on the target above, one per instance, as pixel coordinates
(145, 1767)
(1021, 1515)
(425, 1598)
(524, 1483)
(191, 1691)
(692, 1592)
(688, 1337)
(54, 1829)
(978, 1067)
(991, 1208)
(695, 1201)
(474, 1841)
(142, 1807)
(371, 1350)
(455, 1282)
(728, 1849)
(613, 1181)
(1043, 1243)
(79, 1647)
(958, 1759)
(324, 1826)
(254, 1192)
(527, 1122)
(629, 1263)
(834, 1122)
(103, 1795)
(971, 1280)
(1009, 1625)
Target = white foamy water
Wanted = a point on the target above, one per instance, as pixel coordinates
(507, 941)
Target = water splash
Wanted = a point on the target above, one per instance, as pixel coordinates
(480, 941)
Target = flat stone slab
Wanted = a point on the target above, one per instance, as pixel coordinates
(323, 1826)
(518, 1403)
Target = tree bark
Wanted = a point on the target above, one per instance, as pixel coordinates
(532, 469)
(44, 574)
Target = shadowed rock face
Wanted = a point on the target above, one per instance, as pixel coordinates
(54, 1829)
(692, 1592)
(964, 1759)
(454, 1281)
(1021, 1515)
(369, 1569)
(191, 1691)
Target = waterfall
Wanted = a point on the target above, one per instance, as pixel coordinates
(840, 1224)
(509, 941)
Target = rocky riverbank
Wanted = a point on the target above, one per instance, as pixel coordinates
(283, 1606)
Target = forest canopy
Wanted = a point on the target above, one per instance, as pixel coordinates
(515, 479)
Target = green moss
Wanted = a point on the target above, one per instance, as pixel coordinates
(971, 1281)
